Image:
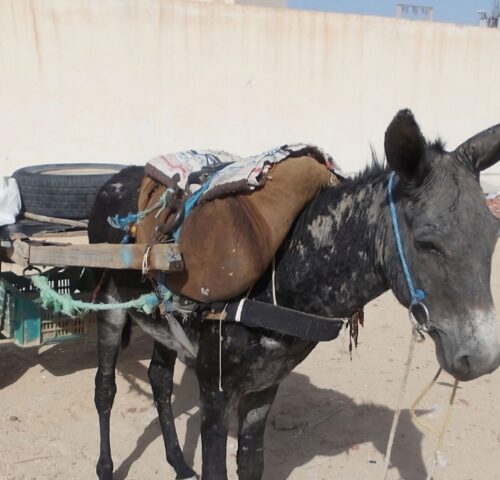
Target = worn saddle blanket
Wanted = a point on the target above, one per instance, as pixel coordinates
(243, 214)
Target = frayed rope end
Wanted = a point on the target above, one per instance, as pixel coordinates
(60, 302)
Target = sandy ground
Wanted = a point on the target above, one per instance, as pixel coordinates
(331, 418)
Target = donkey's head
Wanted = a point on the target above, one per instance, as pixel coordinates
(448, 235)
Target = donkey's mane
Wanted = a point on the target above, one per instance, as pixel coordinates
(372, 173)
(438, 145)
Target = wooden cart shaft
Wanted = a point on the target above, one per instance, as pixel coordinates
(165, 257)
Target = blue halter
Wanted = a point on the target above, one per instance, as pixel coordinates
(417, 295)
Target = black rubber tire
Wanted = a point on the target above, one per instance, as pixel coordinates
(63, 190)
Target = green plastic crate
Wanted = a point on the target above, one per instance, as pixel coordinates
(23, 319)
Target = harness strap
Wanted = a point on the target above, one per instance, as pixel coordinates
(237, 317)
(253, 313)
(417, 295)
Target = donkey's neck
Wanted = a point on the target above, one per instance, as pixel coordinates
(333, 260)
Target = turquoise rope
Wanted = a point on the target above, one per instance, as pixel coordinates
(64, 303)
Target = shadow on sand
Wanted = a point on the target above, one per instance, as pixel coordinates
(305, 422)
(61, 359)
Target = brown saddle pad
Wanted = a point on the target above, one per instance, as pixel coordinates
(228, 243)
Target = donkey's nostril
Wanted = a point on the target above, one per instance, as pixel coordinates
(462, 364)
(472, 365)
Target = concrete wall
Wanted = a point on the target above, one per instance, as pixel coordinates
(123, 80)
(258, 3)
(264, 3)
(227, 2)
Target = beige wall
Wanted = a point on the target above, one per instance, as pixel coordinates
(258, 3)
(264, 3)
(227, 2)
(123, 80)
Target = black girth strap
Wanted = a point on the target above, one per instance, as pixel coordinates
(279, 319)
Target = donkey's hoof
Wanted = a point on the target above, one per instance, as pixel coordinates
(104, 471)
(184, 472)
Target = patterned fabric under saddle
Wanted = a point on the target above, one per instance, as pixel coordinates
(242, 216)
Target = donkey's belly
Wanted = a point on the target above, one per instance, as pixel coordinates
(264, 361)
(160, 331)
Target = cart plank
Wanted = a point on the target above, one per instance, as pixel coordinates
(166, 257)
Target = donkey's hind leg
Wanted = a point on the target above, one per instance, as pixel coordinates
(161, 373)
(109, 335)
(253, 410)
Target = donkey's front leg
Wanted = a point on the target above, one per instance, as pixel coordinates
(214, 408)
(253, 410)
(109, 332)
(161, 373)
(214, 430)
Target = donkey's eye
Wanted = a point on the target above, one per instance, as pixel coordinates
(429, 247)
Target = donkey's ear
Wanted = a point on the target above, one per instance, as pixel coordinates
(405, 148)
(482, 150)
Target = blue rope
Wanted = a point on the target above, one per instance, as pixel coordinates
(123, 223)
(190, 203)
(417, 295)
(127, 239)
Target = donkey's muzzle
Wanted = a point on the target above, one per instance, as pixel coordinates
(470, 365)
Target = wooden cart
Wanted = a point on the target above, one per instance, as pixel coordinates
(22, 318)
